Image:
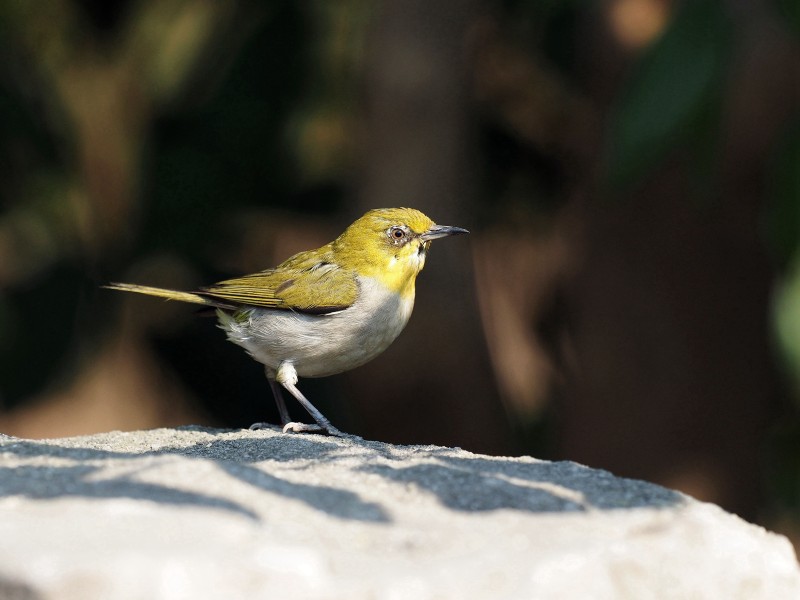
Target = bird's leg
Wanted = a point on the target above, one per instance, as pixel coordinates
(276, 392)
(282, 410)
(322, 426)
(287, 377)
(281, 403)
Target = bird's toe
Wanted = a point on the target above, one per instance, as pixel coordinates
(261, 425)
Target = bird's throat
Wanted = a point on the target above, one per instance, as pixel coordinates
(399, 275)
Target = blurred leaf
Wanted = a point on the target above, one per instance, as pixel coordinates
(784, 238)
(790, 10)
(784, 216)
(230, 151)
(786, 318)
(673, 84)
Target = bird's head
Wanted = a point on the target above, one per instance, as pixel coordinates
(390, 245)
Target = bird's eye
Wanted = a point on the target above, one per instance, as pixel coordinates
(397, 234)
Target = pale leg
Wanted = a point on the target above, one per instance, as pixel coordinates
(322, 426)
(287, 377)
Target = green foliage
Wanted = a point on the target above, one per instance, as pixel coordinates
(784, 236)
(790, 11)
(671, 92)
(229, 152)
(787, 320)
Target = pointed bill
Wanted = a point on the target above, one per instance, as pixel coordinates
(440, 231)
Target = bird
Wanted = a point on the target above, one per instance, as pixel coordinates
(325, 311)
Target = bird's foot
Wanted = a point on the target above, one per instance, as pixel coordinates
(295, 427)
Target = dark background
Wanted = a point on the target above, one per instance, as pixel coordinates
(630, 169)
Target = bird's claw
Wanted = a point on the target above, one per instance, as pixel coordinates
(296, 427)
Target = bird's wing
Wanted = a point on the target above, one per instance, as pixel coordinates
(304, 283)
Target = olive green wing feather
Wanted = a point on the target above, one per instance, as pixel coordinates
(304, 283)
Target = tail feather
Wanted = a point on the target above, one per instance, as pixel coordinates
(190, 297)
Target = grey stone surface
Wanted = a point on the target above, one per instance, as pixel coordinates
(199, 513)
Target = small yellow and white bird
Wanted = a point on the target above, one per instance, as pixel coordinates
(323, 311)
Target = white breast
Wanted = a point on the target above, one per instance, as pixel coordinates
(321, 345)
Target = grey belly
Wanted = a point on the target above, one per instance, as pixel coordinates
(317, 345)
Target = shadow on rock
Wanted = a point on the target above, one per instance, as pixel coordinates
(231, 456)
(458, 480)
(48, 482)
(336, 502)
(483, 484)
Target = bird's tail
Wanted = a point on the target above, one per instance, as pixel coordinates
(193, 298)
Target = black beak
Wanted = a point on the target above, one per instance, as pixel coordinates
(440, 231)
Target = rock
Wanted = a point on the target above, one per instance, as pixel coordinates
(202, 513)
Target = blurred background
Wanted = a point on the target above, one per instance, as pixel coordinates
(630, 169)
